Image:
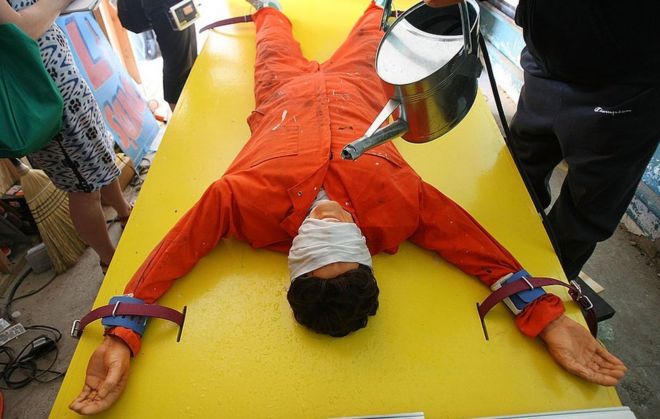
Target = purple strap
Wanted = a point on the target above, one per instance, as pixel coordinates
(230, 21)
(248, 18)
(126, 309)
(530, 283)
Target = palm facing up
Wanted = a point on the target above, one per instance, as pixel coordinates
(107, 373)
(573, 347)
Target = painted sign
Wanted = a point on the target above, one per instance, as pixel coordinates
(124, 110)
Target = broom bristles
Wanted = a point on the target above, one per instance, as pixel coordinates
(50, 210)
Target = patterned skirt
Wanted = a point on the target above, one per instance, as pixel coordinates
(81, 157)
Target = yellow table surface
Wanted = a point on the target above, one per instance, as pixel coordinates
(242, 355)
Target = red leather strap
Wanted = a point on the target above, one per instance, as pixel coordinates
(573, 290)
(230, 21)
(248, 18)
(127, 309)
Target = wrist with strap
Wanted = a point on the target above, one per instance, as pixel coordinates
(130, 313)
(539, 314)
(135, 323)
(129, 337)
(518, 301)
(532, 283)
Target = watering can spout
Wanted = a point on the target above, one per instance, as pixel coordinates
(376, 136)
(355, 149)
(433, 70)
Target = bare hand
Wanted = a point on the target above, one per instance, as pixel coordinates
(107, 373)
(573, 347)
(441, 3)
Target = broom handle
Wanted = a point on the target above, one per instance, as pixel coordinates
(19, 165)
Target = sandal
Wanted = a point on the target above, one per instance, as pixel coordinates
(123, 220)
(104, 267)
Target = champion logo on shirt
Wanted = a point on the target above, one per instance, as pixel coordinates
(598, 109)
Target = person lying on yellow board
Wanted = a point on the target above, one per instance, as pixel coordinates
(288, 190)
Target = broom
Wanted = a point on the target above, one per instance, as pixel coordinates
(50, 209)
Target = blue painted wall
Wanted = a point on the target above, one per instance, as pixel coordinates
(652, 175)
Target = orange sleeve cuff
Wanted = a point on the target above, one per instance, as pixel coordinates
(130, 338)
(537, 315)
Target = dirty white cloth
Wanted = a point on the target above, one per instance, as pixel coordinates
(321, 242)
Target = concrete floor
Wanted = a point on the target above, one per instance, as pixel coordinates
(68, 297)
(630, 278)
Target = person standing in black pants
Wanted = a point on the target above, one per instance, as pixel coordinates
(178, 48)
(591, 98)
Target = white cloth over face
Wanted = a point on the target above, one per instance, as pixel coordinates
(322, 242)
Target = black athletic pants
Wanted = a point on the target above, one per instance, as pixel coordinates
(606, 135)
(178, 48)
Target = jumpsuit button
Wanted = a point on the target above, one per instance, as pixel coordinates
(348, 204)
(299, 193)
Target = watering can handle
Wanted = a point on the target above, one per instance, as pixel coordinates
(465, 25)
(389, 108)
(375, 136)
(465, 21)
(387, 11)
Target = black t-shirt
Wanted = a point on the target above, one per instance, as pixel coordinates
(593, 41)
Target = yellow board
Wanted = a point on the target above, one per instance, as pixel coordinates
(242, 355)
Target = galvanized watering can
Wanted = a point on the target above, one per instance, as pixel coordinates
(430, 56)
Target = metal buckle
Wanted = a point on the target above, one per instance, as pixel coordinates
(114, 310)
(577, 287)
(531, 287)
(580, 298)
(589, 304)
(75, 329)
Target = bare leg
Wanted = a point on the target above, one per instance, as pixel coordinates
(87, 216)
(112, 195)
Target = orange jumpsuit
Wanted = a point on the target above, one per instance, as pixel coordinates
(305, 113)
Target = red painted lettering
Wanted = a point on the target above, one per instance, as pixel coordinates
(98, 70)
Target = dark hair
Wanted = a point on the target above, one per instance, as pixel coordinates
(335, 306)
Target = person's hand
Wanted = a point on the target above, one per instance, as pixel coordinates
(573, 347)
(107, 373)
(441, 3)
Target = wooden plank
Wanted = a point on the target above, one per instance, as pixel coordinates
(591, 282)
(118, 38)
